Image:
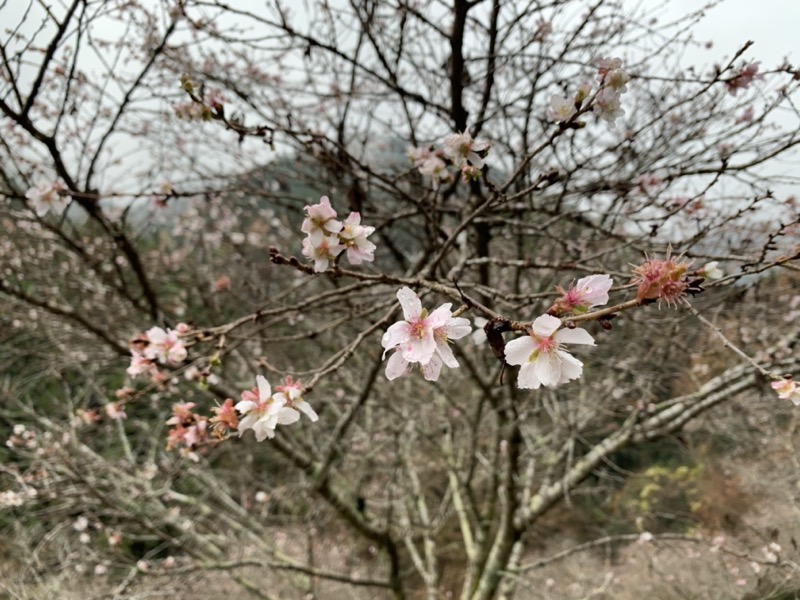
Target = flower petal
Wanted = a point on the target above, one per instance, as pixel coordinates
(446, 354)
(440, 316)
(457, 327)
(518, 351)
(397, 335)
(419, 350)
(574, 336)
(571, 367)
(397, 366)
(305, 408)
(264, 389)
(412, 307)
(548, 369)
(432, 369)
(546, 325)
(527, 379)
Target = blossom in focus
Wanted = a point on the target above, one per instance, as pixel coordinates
(462, 149)
(787, 389)
(353, 237)
(541, 356)
(262, 411)
(46, 197)
(165, 346)
(662, 280)
(422, 338)
(323, 252)
(588, 292)
(320, 221)
(225, 417)
(561, 109)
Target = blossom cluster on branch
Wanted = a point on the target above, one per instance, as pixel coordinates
(327, 238)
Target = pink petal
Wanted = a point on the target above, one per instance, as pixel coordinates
(432, 369)
(419, 350)
(397, 366)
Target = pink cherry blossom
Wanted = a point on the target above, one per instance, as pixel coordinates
(353, 237)
(561, 109)
(262, 411)
(46, 197)
(461, 149)
(607, 105)
(291, 394)
(323, 252)
(320, 221)
(588, 292)
(787, 389)
(541, 357)
(435, 169)
(165, 346)
(422, 338)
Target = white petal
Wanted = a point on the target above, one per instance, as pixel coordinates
(397, 335)
(247, 423)
(546, 325)
(245, 406)
(264, 390)
(458, 327)
(527, 379)
(446, 354)
(571, 367)
(519, 351)
(264, 430)
(287, 416)
(305, 408)
(412, 307)
(574, 336)
(440, 316)
(548, 369)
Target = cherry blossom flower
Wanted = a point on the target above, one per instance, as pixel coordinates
(711, 270)
(787, 389)
(165, 346)
(435, 169)
(462, 149)
(141, 365)
(662, 280)
(561, 109)
(422, 338)
(743, 79)
(353, 237)
(322, 253)
(541, 357)
(115, 411)
(291, 394)
(607, 106)
(263, 412)
(588, 292)
(46, 197)
(418, 155)
(320, 221)
(225, 417)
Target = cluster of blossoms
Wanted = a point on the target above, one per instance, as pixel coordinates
(743, 79)
(327, 237)
(422, 338)
(787, 389)
(187, 428)
(540, 353)
(459, 149)
(48, 196)
(157, 346)
(262, 411)
(613, 81)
